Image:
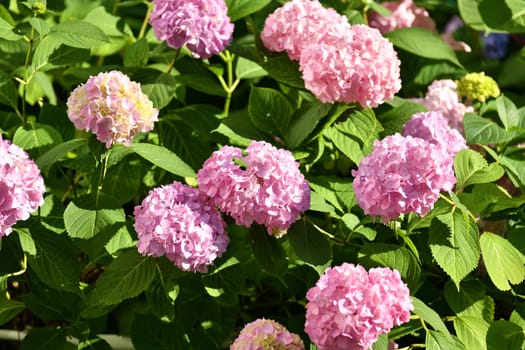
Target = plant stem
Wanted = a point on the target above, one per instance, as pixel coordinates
(144, 23)
(229, 85)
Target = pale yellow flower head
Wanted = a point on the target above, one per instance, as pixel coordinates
(477, 86)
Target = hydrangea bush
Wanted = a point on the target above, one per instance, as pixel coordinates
(270, 174)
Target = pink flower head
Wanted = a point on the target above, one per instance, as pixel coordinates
(21, 186)
(403, 174)
(442, 96)
(348, 308)
(264, 186)
(361, 66)
(202, 25)
(263, 334)
(179, 222)
(405, 14)
(299, 23)
(112, 107)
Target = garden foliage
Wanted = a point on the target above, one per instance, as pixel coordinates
(223, 174)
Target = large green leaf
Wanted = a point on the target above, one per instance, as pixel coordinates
(269, 110)
(472, 168)
(158, 86)
(438, 341)
(422, 42)
(393, 120)
(46, 338)
(493, 15)
(454, 243)
(126, 277)
(46, 160)
(507, 112)
(472, 331)
(247, 69)
(224, 282)
(88, 216)
(238, 9)
(503, 334)
(489, 198)
(150, 333)
(34, 135)
(304, 122)
(470, 300)
(163, 158)
(79, 34)
(8, 93)
(430, 316)
(483, 131)
(9, 309)
(505, 264)
(7, 31)
(267, 251)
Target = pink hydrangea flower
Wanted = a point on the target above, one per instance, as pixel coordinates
(263, 334)
(442, 96)
(112, 107)
(349, 308)
(21, 186)
(299, 23)
(202, 25)
(403, 174)
(179, 222)
(361, 66)
(264, 186)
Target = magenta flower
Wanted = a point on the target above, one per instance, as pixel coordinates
(263, 334)
(403, 174)
(300, 23)
(179, 222)
(21, 186)
(348, 308)
(264, 186)
(202, 25)
(361, 66)
(112, 107)
(442, 96)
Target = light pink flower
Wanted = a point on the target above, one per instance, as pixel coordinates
(264, 186)
(403, 174)
(21, 186)
(348, 308)
(442, 96)
(112, 107)
(202, 25)
(179, 222)
(299, 23)
(263, 334)
(361, 66)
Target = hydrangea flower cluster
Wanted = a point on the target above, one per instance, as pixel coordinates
(349, 308)
(263, 334)
(403, 174)
(339, 62)
(405, 14)
(495, 45)
(442, 96)
(179, 222)
(202, 25)
(21, 186)
(477, 86)
(112, 107)
(264, 186)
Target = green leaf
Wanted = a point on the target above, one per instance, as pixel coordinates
(150, 333)
(46, 338)
(247, 69)
(87, 216)
(40, 25)
(470, 300)
(483, 131)
(489, 198)
(8, 93)
(238, 9)
(33, 135)
(224, 283)
(123, 180)
(94, 344)
(518, 316)
(126, 277)
(506, 335)
(158, 86)
(310, 245)
(430, 316)
(79, 34)
(46, 160)
(44, 50)
(269, 110)
(284, 70)
(394, 119)
(161, 298)
(304, 122)
(337, 191)
(267, 251)
(422, 42)
(7, 31)
(454, 243)
(163, 158)
(136, 55)
(507, 112)
(505, 264)
(9, 309)
(438, 341)
(347, 144)
(472, 331)
(393, 256)
(472, 168)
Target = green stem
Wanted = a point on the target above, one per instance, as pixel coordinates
(27, 79)
(172, 64)
(144, 23)
(229, 85)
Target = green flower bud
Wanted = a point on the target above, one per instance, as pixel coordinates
(477, 86)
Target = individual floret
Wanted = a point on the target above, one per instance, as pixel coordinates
(263, 334)
(349, 308)
(263, 186)
(477, 86)
(403, 174)
(112, 107)
(179, 222)
(202, 25)
(21, 186)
